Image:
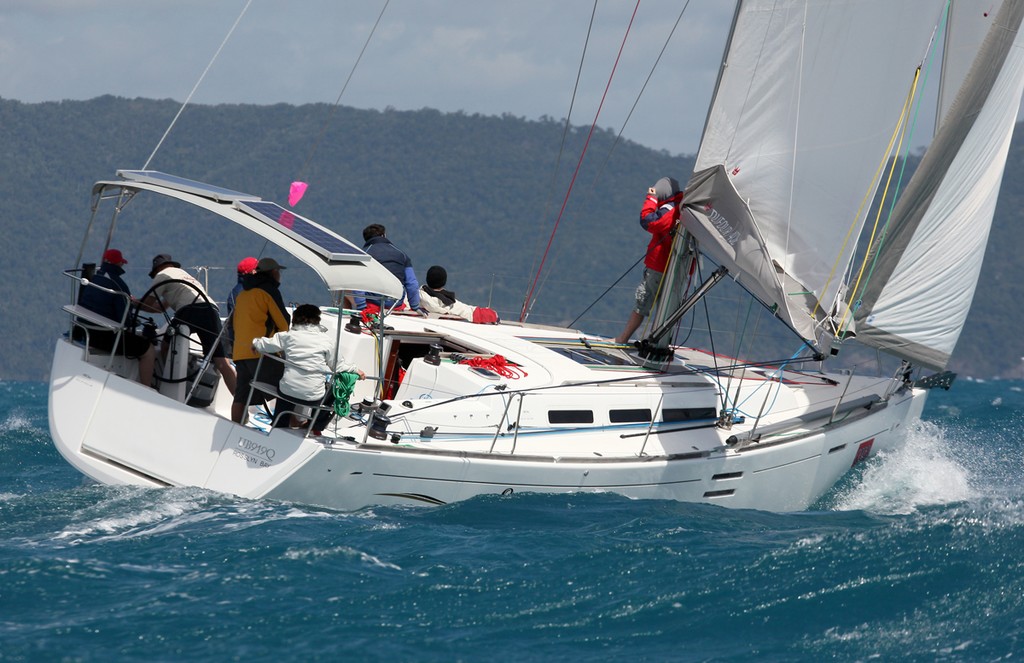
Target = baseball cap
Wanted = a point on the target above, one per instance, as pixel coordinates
(114, 257)
(268, 265)
(161, 260)
(247, 265)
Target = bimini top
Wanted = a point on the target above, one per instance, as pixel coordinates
(340, 264)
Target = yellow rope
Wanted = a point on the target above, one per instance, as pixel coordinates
(881, 205)
(897, 136)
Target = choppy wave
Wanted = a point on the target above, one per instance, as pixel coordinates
(915, 555)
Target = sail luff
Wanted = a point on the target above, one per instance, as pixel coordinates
(926, 272)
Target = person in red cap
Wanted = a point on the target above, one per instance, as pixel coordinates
(246, 267)
(259, 311)
(111, 305)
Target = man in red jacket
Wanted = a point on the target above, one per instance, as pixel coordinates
(659, 216)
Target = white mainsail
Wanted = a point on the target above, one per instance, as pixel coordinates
(924, 275)
(810, 94)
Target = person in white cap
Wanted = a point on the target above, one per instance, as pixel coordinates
(175, 289)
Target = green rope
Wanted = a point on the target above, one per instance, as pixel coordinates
(342, 386)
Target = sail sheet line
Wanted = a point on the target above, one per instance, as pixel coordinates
(895, 144)
(870, 255)
(895, 139)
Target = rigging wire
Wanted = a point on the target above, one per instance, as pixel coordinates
(337, 102)
(565, 127)
(643, 88)
(615, 143)
(607, 290)
(529, 296)
(196, 86)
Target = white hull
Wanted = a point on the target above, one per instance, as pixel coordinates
(117, 432)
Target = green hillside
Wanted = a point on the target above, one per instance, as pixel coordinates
(477, 194)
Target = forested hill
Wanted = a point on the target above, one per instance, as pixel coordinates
(477, 194)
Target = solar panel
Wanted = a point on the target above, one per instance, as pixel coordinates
(217, 193)
(312, 235)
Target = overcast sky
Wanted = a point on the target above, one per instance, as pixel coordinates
(518, 56)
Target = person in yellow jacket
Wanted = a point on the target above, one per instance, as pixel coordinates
(259, 311)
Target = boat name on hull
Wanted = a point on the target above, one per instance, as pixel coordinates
(254, 452)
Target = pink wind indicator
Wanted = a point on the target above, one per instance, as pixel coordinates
(295, 193)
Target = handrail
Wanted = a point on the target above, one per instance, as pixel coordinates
(116, 326)
(519, 416)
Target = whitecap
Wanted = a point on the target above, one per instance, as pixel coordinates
(923, 471)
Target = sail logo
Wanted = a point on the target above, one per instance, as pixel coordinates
(722, 225)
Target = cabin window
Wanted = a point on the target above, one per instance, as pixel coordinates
(688, 413)
(570, 416)
(630, 416)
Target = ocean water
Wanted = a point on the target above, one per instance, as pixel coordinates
(918, 556)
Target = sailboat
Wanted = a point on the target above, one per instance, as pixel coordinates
(813, 102)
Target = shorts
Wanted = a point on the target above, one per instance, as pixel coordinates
(130, 345)
(270, 372)
(204, 321)
(647, 291)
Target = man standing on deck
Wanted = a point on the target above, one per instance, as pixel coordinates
(259, 311)
(658, 216)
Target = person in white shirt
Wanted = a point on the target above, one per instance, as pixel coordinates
(310, 358)
(175, 289)
(435, 299)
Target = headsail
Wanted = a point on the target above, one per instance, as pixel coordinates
(937, 235)
(808, 99)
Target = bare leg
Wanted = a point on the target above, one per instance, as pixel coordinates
(227, 371)
(635, 319)
(237, 412)
(146, 363)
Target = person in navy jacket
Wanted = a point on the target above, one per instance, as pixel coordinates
(111, 305)
(396, 260)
